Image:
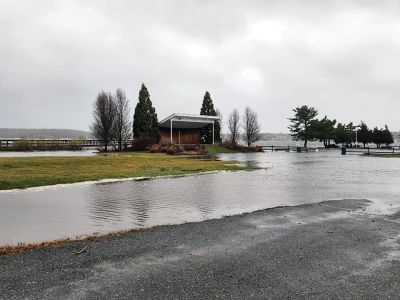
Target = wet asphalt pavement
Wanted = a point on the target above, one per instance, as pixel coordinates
(334, 249)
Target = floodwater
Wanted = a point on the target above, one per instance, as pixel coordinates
(47, 153)
(287, 179)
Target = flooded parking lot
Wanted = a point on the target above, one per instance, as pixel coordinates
(286, 179)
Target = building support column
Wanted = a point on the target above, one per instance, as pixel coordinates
(171, 130)
(213, 134)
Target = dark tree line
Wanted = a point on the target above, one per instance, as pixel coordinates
(377, 136)
(112, 122)
(306, 127)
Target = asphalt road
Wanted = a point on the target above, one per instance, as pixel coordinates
(333, 249)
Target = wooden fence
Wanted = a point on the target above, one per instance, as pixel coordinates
(9, 144)
(372, 151)
(367, 151)
(288, 148)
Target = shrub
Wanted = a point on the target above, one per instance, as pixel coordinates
(154, 148)
(141, 143)
(239, 148)
(256, 149)
(45, 145)
(170, 149)
(175, 149)
(194, 148)
(157, 148)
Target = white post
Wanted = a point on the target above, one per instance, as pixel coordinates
(213, 134)
(171, 131)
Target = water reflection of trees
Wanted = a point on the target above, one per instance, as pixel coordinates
(122, 202)
(202, 194)
(104, 205)
(164, 200)
(140, 200)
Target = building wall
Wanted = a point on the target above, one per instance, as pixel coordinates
(180, 136)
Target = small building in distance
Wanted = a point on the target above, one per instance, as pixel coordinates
(184, 128)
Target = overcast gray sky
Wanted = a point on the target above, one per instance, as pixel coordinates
(342, 57)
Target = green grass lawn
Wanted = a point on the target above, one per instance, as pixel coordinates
(24, 172)
(213, 149)
(389, 155)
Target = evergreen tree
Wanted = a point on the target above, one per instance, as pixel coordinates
(145, 121)
(323, 130)
(350, 134)
(301, 123)
(207, 109)
(387, 136)
(378, 137)
(364, 134)
(343, 134)
(340, 134)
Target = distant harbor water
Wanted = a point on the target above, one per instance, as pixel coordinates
(287, 179)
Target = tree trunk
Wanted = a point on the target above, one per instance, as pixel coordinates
(305, 143)
(119, 144)
(105, 146)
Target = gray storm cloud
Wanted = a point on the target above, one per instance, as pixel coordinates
(341, 57)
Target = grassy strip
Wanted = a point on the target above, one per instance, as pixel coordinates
(24, 172)
(389, 155)
(217, 149)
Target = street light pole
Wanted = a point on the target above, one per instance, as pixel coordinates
(356, 128)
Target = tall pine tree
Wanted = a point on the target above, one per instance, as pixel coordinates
(300, 126)
(207, 109)
(145, 121)
(387, 136)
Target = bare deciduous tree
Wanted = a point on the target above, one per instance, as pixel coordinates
(104, 112)
(251, 127)
(122, 123)
(234, 126)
